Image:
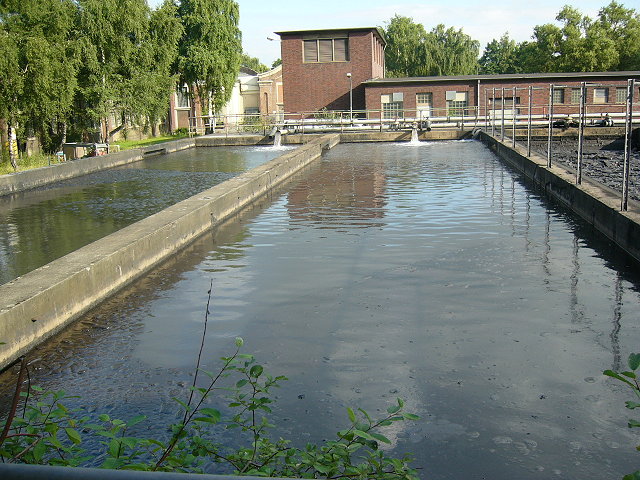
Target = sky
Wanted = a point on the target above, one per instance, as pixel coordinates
(481, 20)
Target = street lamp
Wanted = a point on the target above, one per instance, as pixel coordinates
(350, 97)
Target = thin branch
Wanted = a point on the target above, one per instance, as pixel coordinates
(16, 399)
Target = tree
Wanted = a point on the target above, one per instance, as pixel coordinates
(210, 49)
(580, 44)
(451, 52)
(404, 54)
(622, 25)
(276, 62)
(39, 66)
(500, 56)
(411, 51)
(115, 76)
(253, 63)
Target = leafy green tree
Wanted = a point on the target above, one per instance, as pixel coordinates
(253, 63)
(580, 44)
(622, 25)
(500, 56)
(114, 79)
(39, 66)
(210, 49)
(276, 62)
(405, 51)
(451, 52)
(411, 51)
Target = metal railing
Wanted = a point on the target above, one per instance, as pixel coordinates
(45, 472)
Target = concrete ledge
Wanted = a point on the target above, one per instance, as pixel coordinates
(596, 204)
(37, 305)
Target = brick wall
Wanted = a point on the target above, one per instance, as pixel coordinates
(540, 94)
(314, 86)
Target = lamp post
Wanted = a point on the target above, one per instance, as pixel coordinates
(350, 98)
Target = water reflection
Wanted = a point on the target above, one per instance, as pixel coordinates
(432, 273)
(41, 225)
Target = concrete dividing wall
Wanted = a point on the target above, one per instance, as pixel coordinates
(596, 204)
(37, 305)
(20, 181)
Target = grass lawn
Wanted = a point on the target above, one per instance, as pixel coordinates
(42, 160)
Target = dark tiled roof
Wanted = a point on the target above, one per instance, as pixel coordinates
(506, 77)
(334, 30)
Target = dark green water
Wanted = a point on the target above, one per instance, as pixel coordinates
(432, 273)
(41, 225)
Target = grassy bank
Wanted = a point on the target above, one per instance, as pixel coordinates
(42, 160)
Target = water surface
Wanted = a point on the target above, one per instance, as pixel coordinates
(431, 273)
(41, 225)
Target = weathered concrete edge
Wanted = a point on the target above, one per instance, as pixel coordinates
(40, 303)
(597, 205)
(21, 181)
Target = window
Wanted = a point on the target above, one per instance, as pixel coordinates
(621, 95)
(457, 102)
(600, 95)
(392, 105)
(558, 95)
(424, 99)
(326, 50)
(575, 96)
(182, 97)
(424, 104)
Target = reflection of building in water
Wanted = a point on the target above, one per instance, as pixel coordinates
(344, 190)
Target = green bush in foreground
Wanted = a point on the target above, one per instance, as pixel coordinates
(47, 432)
(630, 378)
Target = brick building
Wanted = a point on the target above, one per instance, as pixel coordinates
(606, 92)
(315, 64)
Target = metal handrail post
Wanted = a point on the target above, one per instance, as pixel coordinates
(550, 135)
(513, 117)
(502, 110)
(627, 144)
(493, 113)
(581, 119)
(529, 123)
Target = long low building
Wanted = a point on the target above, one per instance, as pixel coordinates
(344, 69)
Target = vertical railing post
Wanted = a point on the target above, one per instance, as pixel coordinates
(502, 109)
(529, 123)
(627, 144)
(493, 113)
(550, 134)
(513, 117)
(486, 103)
(581, 120)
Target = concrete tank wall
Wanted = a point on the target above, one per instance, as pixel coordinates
(35, 306)
(596, 204)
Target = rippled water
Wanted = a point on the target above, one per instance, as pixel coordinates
(432, 273)
(41, 225)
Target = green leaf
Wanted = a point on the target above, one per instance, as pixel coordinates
(394, 409)
(256, 371)
(633, 423)
(135, 420)
(73, 435)
(211, 413)
(239, 342)
(361, 434)
(241, 383)
(632, 405)
(634, 361)
(629, 375)
(410, 416)
(380, 438)
(352, 416)
(612, 374)
(632, 476)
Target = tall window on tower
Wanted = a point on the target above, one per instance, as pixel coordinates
(324, 50)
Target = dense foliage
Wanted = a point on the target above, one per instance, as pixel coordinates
(68, 65)
(575, 43)
(45, 430)
(413, 52)
(611, 42)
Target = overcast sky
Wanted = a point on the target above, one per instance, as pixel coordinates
(481, 20)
